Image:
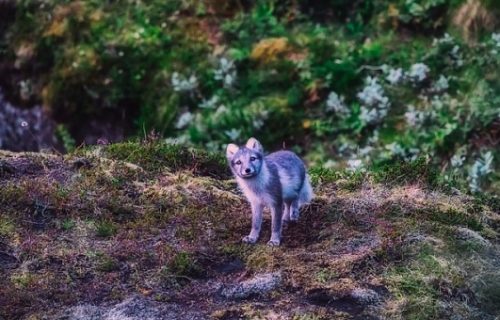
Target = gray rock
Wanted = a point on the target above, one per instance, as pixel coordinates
(365, 296)
(258, 285)
(24, 129)
(134, 308)
(472, 236)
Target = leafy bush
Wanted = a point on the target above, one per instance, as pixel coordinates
(349, 84)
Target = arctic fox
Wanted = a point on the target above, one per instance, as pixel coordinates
(278, 181)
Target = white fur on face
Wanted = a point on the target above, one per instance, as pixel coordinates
(259, 183)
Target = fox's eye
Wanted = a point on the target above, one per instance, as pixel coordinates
(238, 162)
(252, 158)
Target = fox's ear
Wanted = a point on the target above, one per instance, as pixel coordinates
(254, 144)
(231, 150)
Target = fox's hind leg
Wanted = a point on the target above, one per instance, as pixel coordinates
(276, 224)
(294, 210)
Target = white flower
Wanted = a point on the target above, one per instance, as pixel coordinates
(336, 103)
(441, 85)
(437, 103)
(480, 168)
(365, 151)
(25, 89)
(233, 134)
(180, 83)
(496, 38)
(396, 149)
(219, 112)
(212, 146)
(373, 93)
(209, 104)
(384, 68)
(345, 147)
(414, 117)
(375, 103)
(354, 164)
(258, 123)
(184, 120)
(457, 57)
(226, 72)
(329, 164)
(395, 76)
(412, 154)
(418, 72)
(446, 39)
(180, 140)
(230, 79)
(369, 115)
(457, 160)
(374, 138)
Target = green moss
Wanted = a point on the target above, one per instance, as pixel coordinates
(159, 156)
(262, 258)
(348, 180)
(68, 224)
(107, 264)
(413, 283)
(454, 217)
(7, 226)
(489, 292)
(418, 171)
(185, 264)
(22, 280)
(105, 229)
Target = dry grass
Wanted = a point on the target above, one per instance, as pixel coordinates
(72, 233)
(473, 17)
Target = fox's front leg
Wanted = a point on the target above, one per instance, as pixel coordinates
(256, 223)
(294, 210)
(276, 214)
(286, 211)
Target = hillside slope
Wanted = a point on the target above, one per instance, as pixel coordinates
(153, 231)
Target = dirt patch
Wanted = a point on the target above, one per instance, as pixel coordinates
(103, 237)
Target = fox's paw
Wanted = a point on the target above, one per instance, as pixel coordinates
(249, 240)
(294, 215)
(273, 243)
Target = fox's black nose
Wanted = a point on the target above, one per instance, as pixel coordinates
(247, 170)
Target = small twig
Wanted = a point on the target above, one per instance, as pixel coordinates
(371, 68)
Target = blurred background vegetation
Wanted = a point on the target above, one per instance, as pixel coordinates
(346, 83)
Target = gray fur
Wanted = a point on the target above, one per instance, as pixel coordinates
(278, 181)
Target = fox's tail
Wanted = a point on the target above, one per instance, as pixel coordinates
(306, 193)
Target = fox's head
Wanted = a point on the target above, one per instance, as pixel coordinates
(246, 161)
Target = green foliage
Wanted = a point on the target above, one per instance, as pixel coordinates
(68, 224)
(350, 83)
(106, 263)
(158, 156)
(416, 280)
(184, 264)
(65, 136)
(454, 217)
(7, 227)
(105, 229)
(408, 172)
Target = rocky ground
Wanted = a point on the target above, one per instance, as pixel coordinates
(152, 231)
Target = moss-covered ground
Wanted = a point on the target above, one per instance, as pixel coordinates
(165, 222)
